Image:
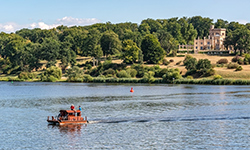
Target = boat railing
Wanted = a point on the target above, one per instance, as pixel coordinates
(67, 118)
(52, 118)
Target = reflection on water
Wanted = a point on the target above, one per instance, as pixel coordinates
(69, 129)
(153, 117)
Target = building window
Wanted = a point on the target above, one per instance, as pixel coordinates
(196, 43)
(196, 47)
(222, 33)
(208, 42)
(201, 48)
(201, 42)
(208, 47)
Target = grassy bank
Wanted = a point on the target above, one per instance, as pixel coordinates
(206, 81)
(229, 76)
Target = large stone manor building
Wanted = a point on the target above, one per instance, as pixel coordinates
(214, 42)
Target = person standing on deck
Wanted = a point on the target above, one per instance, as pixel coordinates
(80, 108)
(72, 107)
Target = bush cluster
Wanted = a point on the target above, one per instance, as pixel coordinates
(26, 75)
(238, 59)
(165, 62)
(203, 67)
(247, 59)
(171, 75)
(217, 77)
(52, 74)
(239, 68)
(222, 61)
(232, 65)
(178, 63)
(213, 81)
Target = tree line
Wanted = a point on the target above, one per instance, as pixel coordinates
(147, 42)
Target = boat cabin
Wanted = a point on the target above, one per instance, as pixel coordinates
(71, 115)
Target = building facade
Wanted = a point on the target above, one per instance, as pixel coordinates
(214, 42)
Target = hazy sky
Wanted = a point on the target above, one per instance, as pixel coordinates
(45, 14)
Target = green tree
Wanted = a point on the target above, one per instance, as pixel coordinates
(51, 74)
(149, 76)
(130, 52)
(152, 50)
(220, 23)
(232, 26)
(166, 40)
(248, 26)
(187, 30)
(97, 52)
(50, 50)
(144, 29)
(92, 44)
(66, 55)
(174, 28)
(231, 41)
(76, 37)
(202, 25)
(140, 57)
(74, 74)
(33, 56)
(110, 43)
(153, 24)
(190, 64)
(123, 74)
(203, 64)
(239, 39)
(171, 75)
(243, 43)
(17, 53)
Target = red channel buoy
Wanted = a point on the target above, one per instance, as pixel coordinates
(131, 90)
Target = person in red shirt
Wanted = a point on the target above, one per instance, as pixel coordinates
(72, 107)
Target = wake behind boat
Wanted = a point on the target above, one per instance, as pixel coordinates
(68, 117)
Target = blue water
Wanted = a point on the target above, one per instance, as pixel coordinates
(153, 117)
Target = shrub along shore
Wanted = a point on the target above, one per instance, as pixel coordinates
(195, 72)
(142, 80)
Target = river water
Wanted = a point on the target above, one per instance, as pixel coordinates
(155, 116)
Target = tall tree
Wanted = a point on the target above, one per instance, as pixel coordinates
(34, 50)
(166, 40)
(152, 50)
(153, 24)
(144, 29)
(221, 23)
(202, 25)
(239, 39)
(174, 28)
(243, 43)
(66, 55)
(15, 52)
(92, 44)
(50, 50)
(110, 43)
(130, 52)
(76, 37)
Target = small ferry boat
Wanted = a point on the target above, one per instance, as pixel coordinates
(68, 117)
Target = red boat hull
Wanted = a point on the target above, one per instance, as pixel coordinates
(68, 117)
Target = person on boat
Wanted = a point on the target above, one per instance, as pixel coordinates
(72, 107)
(59, 115)
(80, 108)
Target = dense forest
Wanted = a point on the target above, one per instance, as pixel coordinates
(148, 42)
